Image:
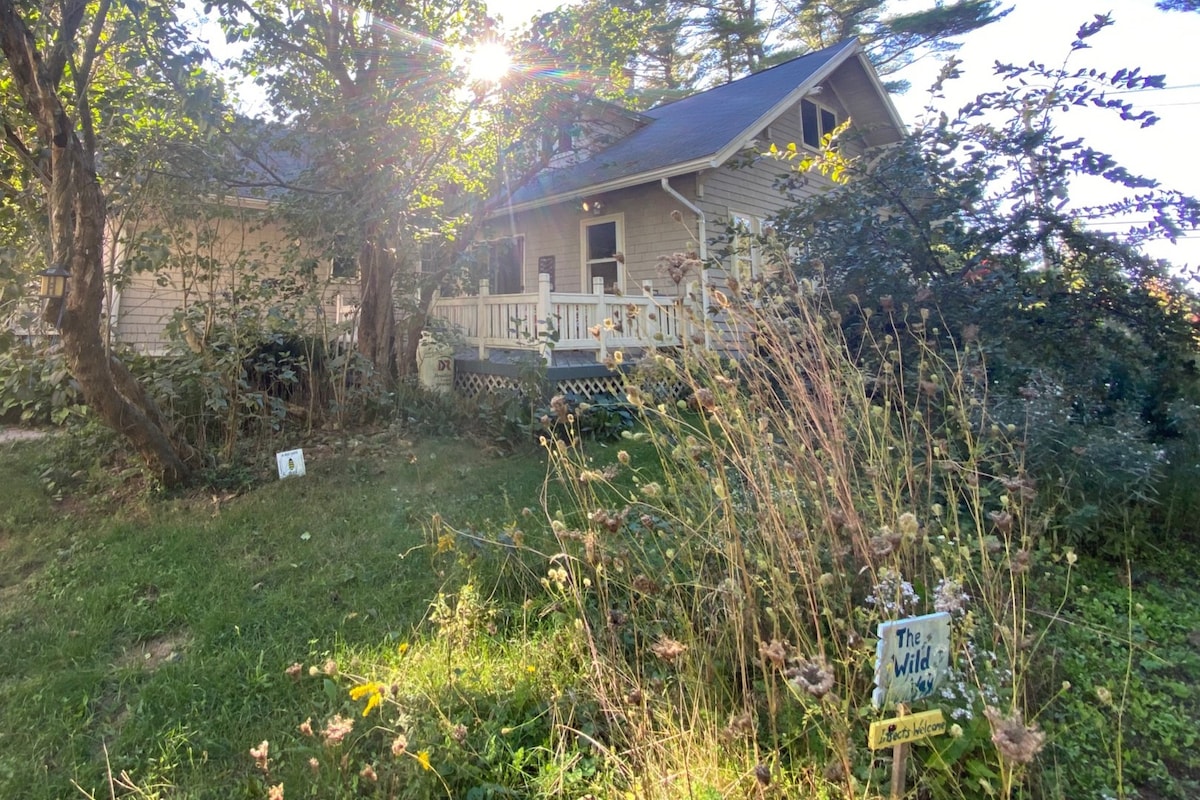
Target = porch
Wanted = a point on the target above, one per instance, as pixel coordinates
(559, 327)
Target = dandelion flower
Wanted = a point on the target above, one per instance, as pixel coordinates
(423, 759)
(1015, 740)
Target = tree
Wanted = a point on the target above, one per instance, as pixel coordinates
(694, 42)
(375, 98)
(80, 77)
(971, 234)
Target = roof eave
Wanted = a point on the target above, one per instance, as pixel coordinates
(695, 165)
(884, 95)
(739, 142)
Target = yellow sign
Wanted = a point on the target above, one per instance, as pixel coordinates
(898, 730)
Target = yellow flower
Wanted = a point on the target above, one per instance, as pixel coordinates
(372, 691)
(423, 759)
(618, 357)
(403, 648)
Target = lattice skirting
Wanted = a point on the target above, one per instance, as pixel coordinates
(585, 387)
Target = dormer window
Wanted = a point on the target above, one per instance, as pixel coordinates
(816, 122)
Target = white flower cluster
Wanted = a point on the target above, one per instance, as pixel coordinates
(893, 595)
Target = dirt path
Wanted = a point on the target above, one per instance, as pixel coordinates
(19, 435)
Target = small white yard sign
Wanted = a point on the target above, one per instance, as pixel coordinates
(291, 463)
(911, 659)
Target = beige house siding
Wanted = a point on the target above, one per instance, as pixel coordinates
(246, 247)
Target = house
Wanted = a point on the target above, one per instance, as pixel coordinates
(196, 266)
(580, 243)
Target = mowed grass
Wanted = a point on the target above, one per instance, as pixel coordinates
(158, 637)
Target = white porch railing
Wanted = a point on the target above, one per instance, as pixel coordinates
(548, 320)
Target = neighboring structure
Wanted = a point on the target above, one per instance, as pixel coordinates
(581, 242)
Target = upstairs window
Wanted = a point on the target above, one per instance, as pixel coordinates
(816, 122)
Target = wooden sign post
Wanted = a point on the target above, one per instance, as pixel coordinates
(911, 659)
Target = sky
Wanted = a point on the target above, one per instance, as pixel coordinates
(1158, 42)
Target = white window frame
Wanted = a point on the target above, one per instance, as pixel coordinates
(585, 272)
(745, 258)
(822, 132)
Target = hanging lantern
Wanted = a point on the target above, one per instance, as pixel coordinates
(54, 283)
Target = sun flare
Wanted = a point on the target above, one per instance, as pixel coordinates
(488, 62)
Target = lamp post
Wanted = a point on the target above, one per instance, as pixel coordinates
(53, 287)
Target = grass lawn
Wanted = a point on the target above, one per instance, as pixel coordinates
(155, 639)
(161, 633)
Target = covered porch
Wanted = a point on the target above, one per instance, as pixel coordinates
(555, 324)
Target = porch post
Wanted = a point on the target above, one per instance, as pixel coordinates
(543, 316)
(601, 314)
(481, 320)
(652, 325)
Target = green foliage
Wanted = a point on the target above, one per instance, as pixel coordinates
(971, 229)
(1121, 659)
(35, 387)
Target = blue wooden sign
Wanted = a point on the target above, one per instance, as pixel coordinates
(911, 658)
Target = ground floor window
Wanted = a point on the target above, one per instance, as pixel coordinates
(602, 253)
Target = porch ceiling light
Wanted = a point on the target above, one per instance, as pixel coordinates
(53, 282)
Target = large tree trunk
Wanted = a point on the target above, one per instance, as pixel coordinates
(377, 313)
(77, 208)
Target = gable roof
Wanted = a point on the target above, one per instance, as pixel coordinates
(697, 132)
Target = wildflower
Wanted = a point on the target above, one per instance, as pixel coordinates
(336, 730)
(908, 524)
(704, 399)
(645, 585)
(618, 357)
(893, 594)
(1002, 520)
(775, 652)
(330, 668)
(956, 731)
(814, 677)
(423, 759)
(372, 691)
(762, 774)
(1104, 695)
(459, 733)
(652, 489)
(675, 215)
(306, 727)
(314, 765)
(949, 596)
(294, 670)
(1015, 740)
(275, 792)
(740, 725)
(399, 745)
(881, 546)
(368, 773)
(623, 456)
(403, 648)
(668, 649)
(314, 671)
(259, 754)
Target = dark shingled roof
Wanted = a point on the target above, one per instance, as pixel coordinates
(685, 130)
